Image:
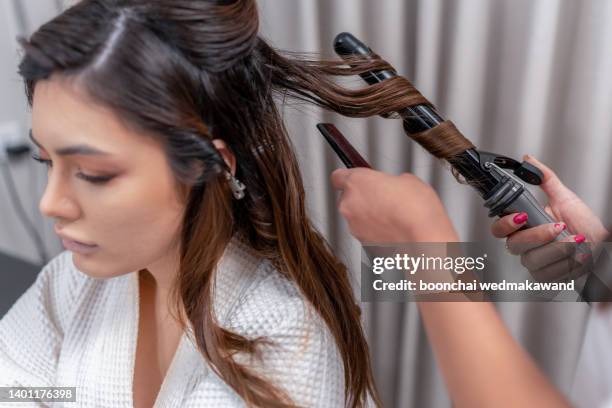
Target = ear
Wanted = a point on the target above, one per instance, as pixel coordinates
(226, 153)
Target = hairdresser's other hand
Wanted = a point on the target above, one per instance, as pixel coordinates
(545, 258)
(382, 208)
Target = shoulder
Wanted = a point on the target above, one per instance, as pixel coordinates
(32, 331)
(249, 289)
(55, 291)
(272, 302)
(60, 275)
(300, 353)
(254, 299)
(63, 280)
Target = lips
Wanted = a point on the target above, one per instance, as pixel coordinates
(77, 242)
(78, 247)
(71, 239)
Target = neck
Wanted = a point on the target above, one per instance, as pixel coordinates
(156, 282)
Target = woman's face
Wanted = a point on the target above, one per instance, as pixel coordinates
(131, 210)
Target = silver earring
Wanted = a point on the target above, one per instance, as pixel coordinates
(236, 185)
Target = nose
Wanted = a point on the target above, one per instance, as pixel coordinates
(57, 202)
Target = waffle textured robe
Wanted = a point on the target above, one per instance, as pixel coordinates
(71, 330)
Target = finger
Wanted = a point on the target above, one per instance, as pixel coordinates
(344, 203)
(508, 224)
(525, 240)
(563, 269)
(551, 185)
(339, 178)
(549, 211)
(549, 254)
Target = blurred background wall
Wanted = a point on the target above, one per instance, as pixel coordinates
(520, 76)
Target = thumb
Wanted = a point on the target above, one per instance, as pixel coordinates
(339, 178)
(551, 185)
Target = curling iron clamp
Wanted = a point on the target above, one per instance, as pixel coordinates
(500, 180)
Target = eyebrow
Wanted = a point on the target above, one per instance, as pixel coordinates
(81, 149)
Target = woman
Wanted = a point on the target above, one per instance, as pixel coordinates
(194, 276)
(481, 363)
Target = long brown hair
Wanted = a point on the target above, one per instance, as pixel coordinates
(186, 72)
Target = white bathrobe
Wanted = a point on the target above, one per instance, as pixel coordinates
(72, 330)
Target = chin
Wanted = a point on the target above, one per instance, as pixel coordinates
(94, 268)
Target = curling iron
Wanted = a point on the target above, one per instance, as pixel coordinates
(352, 159)
(500, 180)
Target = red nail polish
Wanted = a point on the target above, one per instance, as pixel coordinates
(564, 226)
(579, 238)
(520, 218)
(557, 226)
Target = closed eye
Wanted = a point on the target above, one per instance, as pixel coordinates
(48, 163)
(89, 179)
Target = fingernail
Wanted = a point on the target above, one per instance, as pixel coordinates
(579, 238)
(560, 226)
(520, 218)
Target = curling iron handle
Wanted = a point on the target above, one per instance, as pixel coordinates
(527, 203)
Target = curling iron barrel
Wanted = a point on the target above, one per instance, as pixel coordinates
(504, 192)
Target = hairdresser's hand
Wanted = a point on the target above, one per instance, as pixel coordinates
(381, 208)
(545, 258)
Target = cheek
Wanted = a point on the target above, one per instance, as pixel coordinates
(134, 224)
